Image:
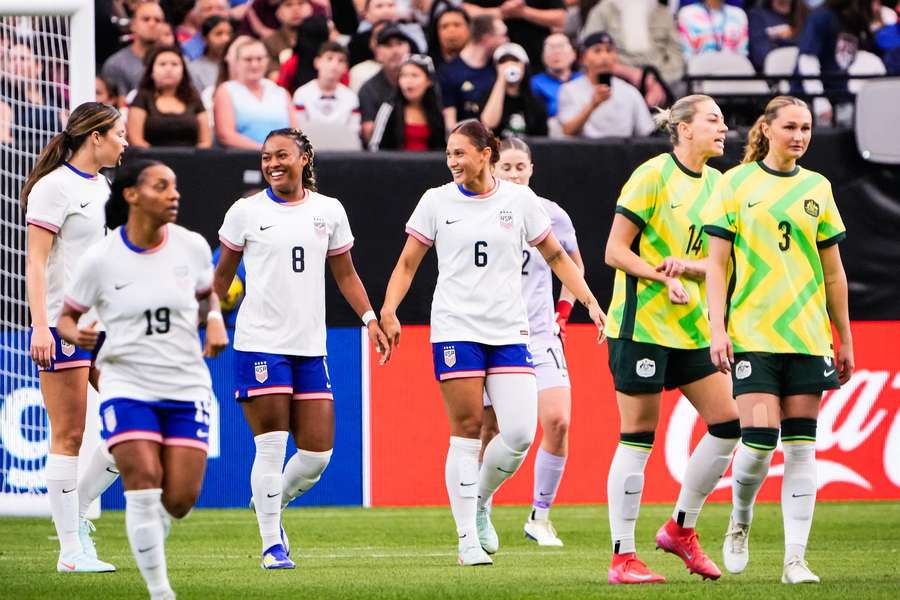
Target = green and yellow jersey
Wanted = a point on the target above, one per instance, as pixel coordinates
(664, 199)
(777, 222)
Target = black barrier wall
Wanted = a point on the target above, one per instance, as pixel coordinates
(379, 192)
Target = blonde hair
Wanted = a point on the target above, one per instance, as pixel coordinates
(757, 143)
(682, 111)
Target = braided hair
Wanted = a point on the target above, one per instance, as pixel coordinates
(308, 177)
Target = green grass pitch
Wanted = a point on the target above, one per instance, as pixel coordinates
(410, 553)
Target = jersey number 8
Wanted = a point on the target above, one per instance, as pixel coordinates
(299, 259)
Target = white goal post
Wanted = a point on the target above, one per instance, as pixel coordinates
(55, 40)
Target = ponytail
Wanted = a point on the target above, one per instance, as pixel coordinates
(757, 143)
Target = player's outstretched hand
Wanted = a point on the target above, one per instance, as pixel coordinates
(43, 347)
(382, 345)
(721, 352)
(599, 318)
(672, 267)
(677, 293)
(390, 325)
(845, 363)
(216, 338)
(87, 337)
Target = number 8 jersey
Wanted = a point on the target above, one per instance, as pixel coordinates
(147, 299)
(479, 241)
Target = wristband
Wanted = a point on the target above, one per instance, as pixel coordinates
(214, 315)
(368, 317)
(564, 309)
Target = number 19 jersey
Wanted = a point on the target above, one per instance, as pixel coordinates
(479, 242)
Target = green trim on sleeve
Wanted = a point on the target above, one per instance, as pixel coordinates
(719, 232)
(835, 239)
(631, 216)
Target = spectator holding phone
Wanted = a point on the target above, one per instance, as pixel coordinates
(511, 109)
(599, 105)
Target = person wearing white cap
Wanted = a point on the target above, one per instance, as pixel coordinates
(511, 109)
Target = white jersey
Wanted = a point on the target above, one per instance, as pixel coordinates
(285, 247)
(148, 302)
(340, 107)
(479, 242)
(70, 204)
(537, 278)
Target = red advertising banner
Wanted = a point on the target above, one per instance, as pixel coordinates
(858, 434)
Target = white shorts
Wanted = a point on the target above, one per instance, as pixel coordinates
(550, 367)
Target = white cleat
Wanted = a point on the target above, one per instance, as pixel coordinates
(85, 529)
(735, 550)
(473, 555)
(487, 535)
(797, 571)
(82, 563)
(542, 532)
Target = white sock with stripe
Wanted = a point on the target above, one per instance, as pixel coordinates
(707, 464)
(625, 486)
(798, 488)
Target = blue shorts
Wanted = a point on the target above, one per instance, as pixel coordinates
(70, 356)
(261, 373)
(455, 360)
(166, 422)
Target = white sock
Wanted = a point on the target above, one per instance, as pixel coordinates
(514, 398)
(798, 496)
(548, 471)
(705, 468)
(748, 474)
(143, 521)
(461, 476)
(100, 473)
(62, 489)
(265, 481)
(624, 488)
(302, 472)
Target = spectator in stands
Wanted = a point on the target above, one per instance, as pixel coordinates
(712, 26)
(217, 34)
(645, 33)
(106, 92)
(559, 59)
(126, 67)
(325, 99)
(448, 35)
(29, 123)
(195, 44)
(774, 24)
(600, 105)
(528, 21)
(165, 35)
(298, 70)
(391, 52)
(249, 106)
(167, 110)
(888, 41)
(511, 110)
(466, 81)
(382, 10)
(360, 73)
(281, 43)
(883, 16)
(834, 34)
(412, 120)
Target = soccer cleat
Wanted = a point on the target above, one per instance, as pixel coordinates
(473, 555)
(735, 550)
(542, 532)
(797, 571)
(487, 535)
(285, 541)
(276, 558)
(685, 544)
(626, 568)
(85, 529)
(82, 563)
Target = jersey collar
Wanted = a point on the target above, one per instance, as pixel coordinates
(137, 249)
(476, 196)
(684, 169)
(78, 172)
(772, 171)
(272, 196)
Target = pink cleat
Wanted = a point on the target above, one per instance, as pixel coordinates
(684, 544)
(626, 568)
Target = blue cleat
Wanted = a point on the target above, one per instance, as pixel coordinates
(276, 558)
(285, 541)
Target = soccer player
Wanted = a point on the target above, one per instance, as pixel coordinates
(774, 230)
(150, 281)
(286, 235)
(479, 324)
(547, 332)
(63, 199)
(659, 335)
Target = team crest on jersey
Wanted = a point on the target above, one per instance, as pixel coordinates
(319, 226)
(109, 418)
(506, 219)
(811, 207)
(450, 356)
(67, 348)
(645, 367)
(743, 369)
(261, 371)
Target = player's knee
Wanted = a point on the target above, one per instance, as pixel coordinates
(728, 430)
(67, 442)
(761, 439)
(179, 504)
(556, 427)
(468, 427)
(518, 439)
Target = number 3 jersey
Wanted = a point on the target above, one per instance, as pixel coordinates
(285, 247)
(147, 299)
(777, 222)
(479, 242)
(664, 199)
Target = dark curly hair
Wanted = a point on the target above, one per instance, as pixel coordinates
(305, 146)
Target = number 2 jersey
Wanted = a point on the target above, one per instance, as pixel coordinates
(777, 222)
(664, 199)
(479, 241)
(147, 299)
(285, 247)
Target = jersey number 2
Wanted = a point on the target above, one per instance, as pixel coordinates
(161, 319)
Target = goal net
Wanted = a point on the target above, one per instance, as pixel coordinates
(46, 69)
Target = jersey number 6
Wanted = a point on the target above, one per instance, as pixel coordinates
(480, 254)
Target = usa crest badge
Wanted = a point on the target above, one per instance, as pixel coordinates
(319, 226)
(450, 356)
(506, 219)
(67, 348)
(811, 207)
(261, 371)
(109, 419)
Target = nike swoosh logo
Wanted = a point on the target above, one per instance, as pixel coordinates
(261, 228)
(68, 491)
(799, 495)
(83, 204)
(466, 484)
(142, 550)
(202, 434)
(272, 495)
(111, 470)
(505, 471)
(675, 205)
(545, 493)
(627, 493)
(449, 222)
(828, 373)
(119, 286)
(463, 536)
(752, 204)
(67, 565)
(739, 482)
(641, 576)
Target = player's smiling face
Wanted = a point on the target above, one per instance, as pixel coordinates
(515, 165)
(706, 131)
(155, 194)
(789, 133)
(464, 160)
(282, 164)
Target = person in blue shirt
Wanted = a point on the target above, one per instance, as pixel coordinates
(774, 24)
(559, 58)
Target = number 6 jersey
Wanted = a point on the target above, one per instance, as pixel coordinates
(147, 299)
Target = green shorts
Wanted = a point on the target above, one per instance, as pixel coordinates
(783, 374)
(641, 368)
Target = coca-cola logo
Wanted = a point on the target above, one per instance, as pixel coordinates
(852, 420)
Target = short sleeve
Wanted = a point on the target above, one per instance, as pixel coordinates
(563, 229)
(831, 228)
(142, 101)
(341, 238)
(84, 288)
(568, 106)
(421, 224)
(233, 231)
(720, 214)
(643, 122)
(536, 221)
(637, 201)
(449, 92)
(47, 206)
(204, 279)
